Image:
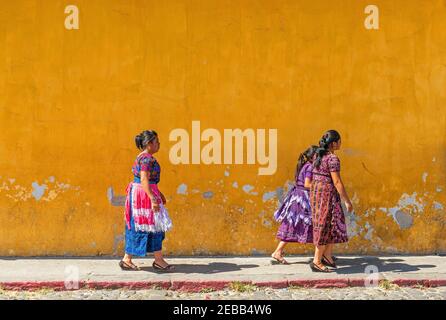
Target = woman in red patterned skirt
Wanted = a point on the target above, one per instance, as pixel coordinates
(326, 193)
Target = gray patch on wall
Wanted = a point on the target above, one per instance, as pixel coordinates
(38, 190)
(256, 252)
(279, 193)
(117, 201)
(182, 189)
(208, 194)
(403, 219)
(268, 196)
(351, 152)
(116, 242)
(438, 206)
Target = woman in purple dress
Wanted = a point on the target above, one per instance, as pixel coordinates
(326, 193)
(295, 212)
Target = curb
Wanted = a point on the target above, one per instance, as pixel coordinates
(204, 286)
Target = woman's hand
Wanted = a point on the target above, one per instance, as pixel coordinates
(349, 206)
(163, 198)
(155, 205)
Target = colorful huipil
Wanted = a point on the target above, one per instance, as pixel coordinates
(295, 212)
(145, 229)
(328, 217)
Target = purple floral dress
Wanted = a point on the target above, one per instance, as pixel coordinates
(295, 212)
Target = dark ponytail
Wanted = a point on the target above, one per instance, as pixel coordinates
(324, 144)
(144, 138)
(304, 157)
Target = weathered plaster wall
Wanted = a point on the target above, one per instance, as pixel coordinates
(71, 102)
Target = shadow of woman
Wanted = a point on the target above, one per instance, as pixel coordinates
(358, 265)
(211, 268)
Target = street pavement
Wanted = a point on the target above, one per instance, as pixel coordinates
(224, 277)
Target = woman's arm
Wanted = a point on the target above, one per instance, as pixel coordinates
(145, 186)
(336, 176)
(307, 183)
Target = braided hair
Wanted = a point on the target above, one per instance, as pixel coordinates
(304, 157)
(324, 144)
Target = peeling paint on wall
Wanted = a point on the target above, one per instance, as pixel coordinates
(280, 194)
(240, 209)
(351, 220)
(438, 205)
(117, 201)
(402, 213)
(38, 190)
(369, 212)
(17, 192)
(403, 219)
(116, 241)
(248, 189)
(410, 201)
(256, 252)
(268, 195)
(182, 189)
(369, 228)
(208, 194)
(267, 223)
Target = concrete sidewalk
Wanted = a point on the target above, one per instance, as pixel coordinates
(198, 273)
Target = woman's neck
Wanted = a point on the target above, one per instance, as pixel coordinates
(146, 151)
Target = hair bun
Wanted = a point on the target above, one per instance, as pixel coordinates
(138, 140)
(144, 138)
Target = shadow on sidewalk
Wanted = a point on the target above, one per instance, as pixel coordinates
(358, 265)
(211, 268)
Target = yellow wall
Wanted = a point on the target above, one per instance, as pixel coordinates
(71, 102)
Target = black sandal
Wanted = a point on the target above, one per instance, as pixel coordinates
(281, 261)
(328, 263)
(166, 268)
(128, 267)
(316, 268)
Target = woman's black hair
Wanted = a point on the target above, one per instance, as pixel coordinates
(304, 157)
(324, 144)
(144, 138)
